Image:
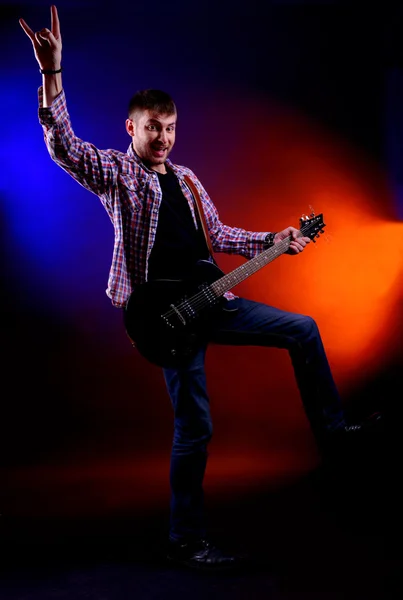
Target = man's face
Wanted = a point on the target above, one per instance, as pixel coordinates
(153, 137)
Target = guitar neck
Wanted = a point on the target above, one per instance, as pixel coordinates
(225, 283)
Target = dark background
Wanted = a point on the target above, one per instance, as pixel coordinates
(86, 424)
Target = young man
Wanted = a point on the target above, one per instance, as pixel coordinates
(159, 236)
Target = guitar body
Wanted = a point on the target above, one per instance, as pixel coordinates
(168, 320)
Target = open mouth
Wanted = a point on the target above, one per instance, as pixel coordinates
(160, 151)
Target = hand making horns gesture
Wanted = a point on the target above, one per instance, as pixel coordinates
(47, 43)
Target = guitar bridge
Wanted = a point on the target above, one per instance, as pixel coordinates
(180, 317)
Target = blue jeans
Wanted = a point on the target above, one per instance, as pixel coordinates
(251, 324)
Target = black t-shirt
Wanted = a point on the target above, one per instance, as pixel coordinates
(178, 244)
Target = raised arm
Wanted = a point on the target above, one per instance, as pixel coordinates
(47, 45)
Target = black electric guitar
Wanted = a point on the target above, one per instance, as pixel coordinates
(167, 320)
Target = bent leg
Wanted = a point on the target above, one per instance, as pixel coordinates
(258, 324)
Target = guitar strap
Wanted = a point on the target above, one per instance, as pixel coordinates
(200, 210)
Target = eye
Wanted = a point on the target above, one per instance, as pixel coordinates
(151, 127)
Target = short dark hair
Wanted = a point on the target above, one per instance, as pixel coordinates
(154, 100)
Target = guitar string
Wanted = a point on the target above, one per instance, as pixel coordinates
(199, 299)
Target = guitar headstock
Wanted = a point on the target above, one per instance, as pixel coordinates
(312, 226)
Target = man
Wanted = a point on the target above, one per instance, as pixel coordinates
(159, 236)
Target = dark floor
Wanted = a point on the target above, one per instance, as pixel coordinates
(336, 534)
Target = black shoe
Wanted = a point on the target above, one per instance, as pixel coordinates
(371, 424)
(200, 554)
(352, 436)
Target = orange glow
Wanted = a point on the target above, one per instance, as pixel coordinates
(350, 280)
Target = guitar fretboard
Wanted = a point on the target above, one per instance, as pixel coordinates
(225, 283)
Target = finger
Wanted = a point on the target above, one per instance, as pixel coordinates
(41, 37)
(54, 20)
(39, 40)
(296, 247)
(27, 30)
(45, 35)
(301, 242)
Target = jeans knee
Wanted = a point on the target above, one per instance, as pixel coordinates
(190, 437)
(309, 328)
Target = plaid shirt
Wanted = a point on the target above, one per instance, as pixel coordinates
(131, 195)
